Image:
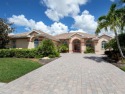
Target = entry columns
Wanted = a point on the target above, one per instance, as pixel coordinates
(83, 47)
(70, 47)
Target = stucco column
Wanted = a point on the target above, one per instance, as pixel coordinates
(96, 47)
(83, 47)
(70, 46)
(31, 43)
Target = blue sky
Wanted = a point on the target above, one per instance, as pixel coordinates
(54, 16)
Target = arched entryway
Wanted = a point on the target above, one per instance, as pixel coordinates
(76, 45)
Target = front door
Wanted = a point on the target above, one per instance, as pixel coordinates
(76, 46)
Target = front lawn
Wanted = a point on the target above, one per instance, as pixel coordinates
(123, 68)
(13, 68)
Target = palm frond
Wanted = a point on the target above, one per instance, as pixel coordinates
(112, 8)
(101, 18)
(97, 31)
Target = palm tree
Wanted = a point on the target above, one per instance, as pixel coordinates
(123, 1)
(113, 21)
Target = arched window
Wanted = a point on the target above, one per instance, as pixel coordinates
(76, 41)
(36, 43)
(103, 44)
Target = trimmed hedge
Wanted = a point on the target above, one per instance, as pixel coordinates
(19, 53)
(46, 48)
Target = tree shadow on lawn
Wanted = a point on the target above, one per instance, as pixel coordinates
(95, 58)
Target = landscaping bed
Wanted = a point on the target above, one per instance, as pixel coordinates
(13, 68)
(43, 61)
(46, 61)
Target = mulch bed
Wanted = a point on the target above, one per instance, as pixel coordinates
(114, 62)
(46, 61)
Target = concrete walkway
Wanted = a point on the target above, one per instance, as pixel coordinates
(71, 74)
(2, 84)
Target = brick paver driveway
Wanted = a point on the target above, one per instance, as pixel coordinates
(71, 74)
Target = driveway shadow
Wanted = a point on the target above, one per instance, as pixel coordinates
(95, 58)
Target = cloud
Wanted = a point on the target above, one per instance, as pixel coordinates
(58, 28)
(11, 33)
(109, 32)
(79, 30)
(22, 21)
(85, 21)
(55, 28)
(57, 9)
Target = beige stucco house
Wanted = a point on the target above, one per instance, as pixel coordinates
(77, 41)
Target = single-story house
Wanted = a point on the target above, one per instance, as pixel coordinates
(77, 41)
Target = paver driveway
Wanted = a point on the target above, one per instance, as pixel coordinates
(71, 74)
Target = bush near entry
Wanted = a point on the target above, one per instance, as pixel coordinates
(47, 48)
(89, 50)
(63, 48)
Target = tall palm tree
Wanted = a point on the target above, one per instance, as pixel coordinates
(123, 1)
(113, 21)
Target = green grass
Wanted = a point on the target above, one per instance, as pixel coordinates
(123, 68)
(13, 68)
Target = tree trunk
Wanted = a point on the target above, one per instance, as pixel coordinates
(118, 44)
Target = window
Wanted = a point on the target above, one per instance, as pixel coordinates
(89, 43)
(14, 43)
(76, 41)
(64, 42)
(103, 44)
(36, 43)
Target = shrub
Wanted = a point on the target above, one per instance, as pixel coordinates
(47, 48)
(57, 54)
(89, 50)
(19, 53)
(6, 53)
(115, 55)
(63, 48)
(112, 44)
(25, 53)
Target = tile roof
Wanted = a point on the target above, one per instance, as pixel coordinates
(21, 35)
(68, 35)
(40, 33)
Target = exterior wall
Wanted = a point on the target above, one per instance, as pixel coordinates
(22, 43)
(83, 46)
(56, 43)
(98, 44)
(26, 43)
(31, 45)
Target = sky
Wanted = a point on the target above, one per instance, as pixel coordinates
(54, 16)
